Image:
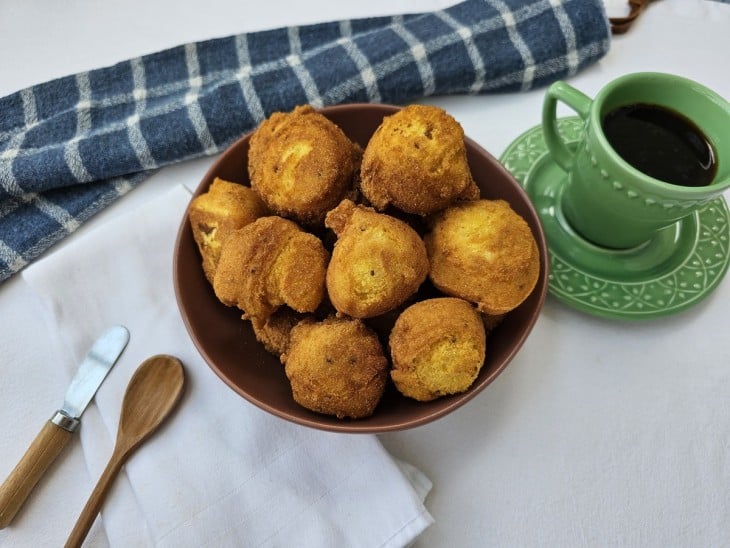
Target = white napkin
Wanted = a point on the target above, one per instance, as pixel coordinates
(220, 472)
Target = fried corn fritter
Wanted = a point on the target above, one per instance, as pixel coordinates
(269, 263)
(483, 252)
(216, 213)
(377, 263)
(274, 332)
(437, 347)
(336, 367)
(301, 164)
(416, 161)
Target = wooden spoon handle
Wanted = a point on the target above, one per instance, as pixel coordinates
(47, 445)
(93, 505)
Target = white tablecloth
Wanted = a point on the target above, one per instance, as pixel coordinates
(601, 432)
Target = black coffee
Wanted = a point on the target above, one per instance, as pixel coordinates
(661, 143)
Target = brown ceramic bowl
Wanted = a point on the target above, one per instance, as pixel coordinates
(229, 347)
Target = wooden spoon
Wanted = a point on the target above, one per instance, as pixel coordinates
(152, 393)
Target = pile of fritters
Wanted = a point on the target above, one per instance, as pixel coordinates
(330, 240)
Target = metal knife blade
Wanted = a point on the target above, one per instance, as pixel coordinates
(89, 376)
(56, 432)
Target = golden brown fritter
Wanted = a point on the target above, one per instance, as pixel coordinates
(216, 213)
(437, 347)
(485, 253)
(301, 164)
(377, 263)
(274, 332)
(337, 367)
(416, 161)
(269, 263)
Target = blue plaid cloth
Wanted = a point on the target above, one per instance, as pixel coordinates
(71, 146)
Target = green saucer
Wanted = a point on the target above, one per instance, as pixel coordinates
(680, 266)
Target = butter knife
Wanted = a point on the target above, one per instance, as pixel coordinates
(56, 433)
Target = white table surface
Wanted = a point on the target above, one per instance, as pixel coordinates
(600, 432)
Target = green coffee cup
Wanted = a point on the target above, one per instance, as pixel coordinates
(611, 198)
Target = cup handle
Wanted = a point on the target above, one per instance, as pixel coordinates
(579, 102)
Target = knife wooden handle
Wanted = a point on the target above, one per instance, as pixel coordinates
(47, 445)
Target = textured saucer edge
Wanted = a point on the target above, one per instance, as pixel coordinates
(690, 272)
